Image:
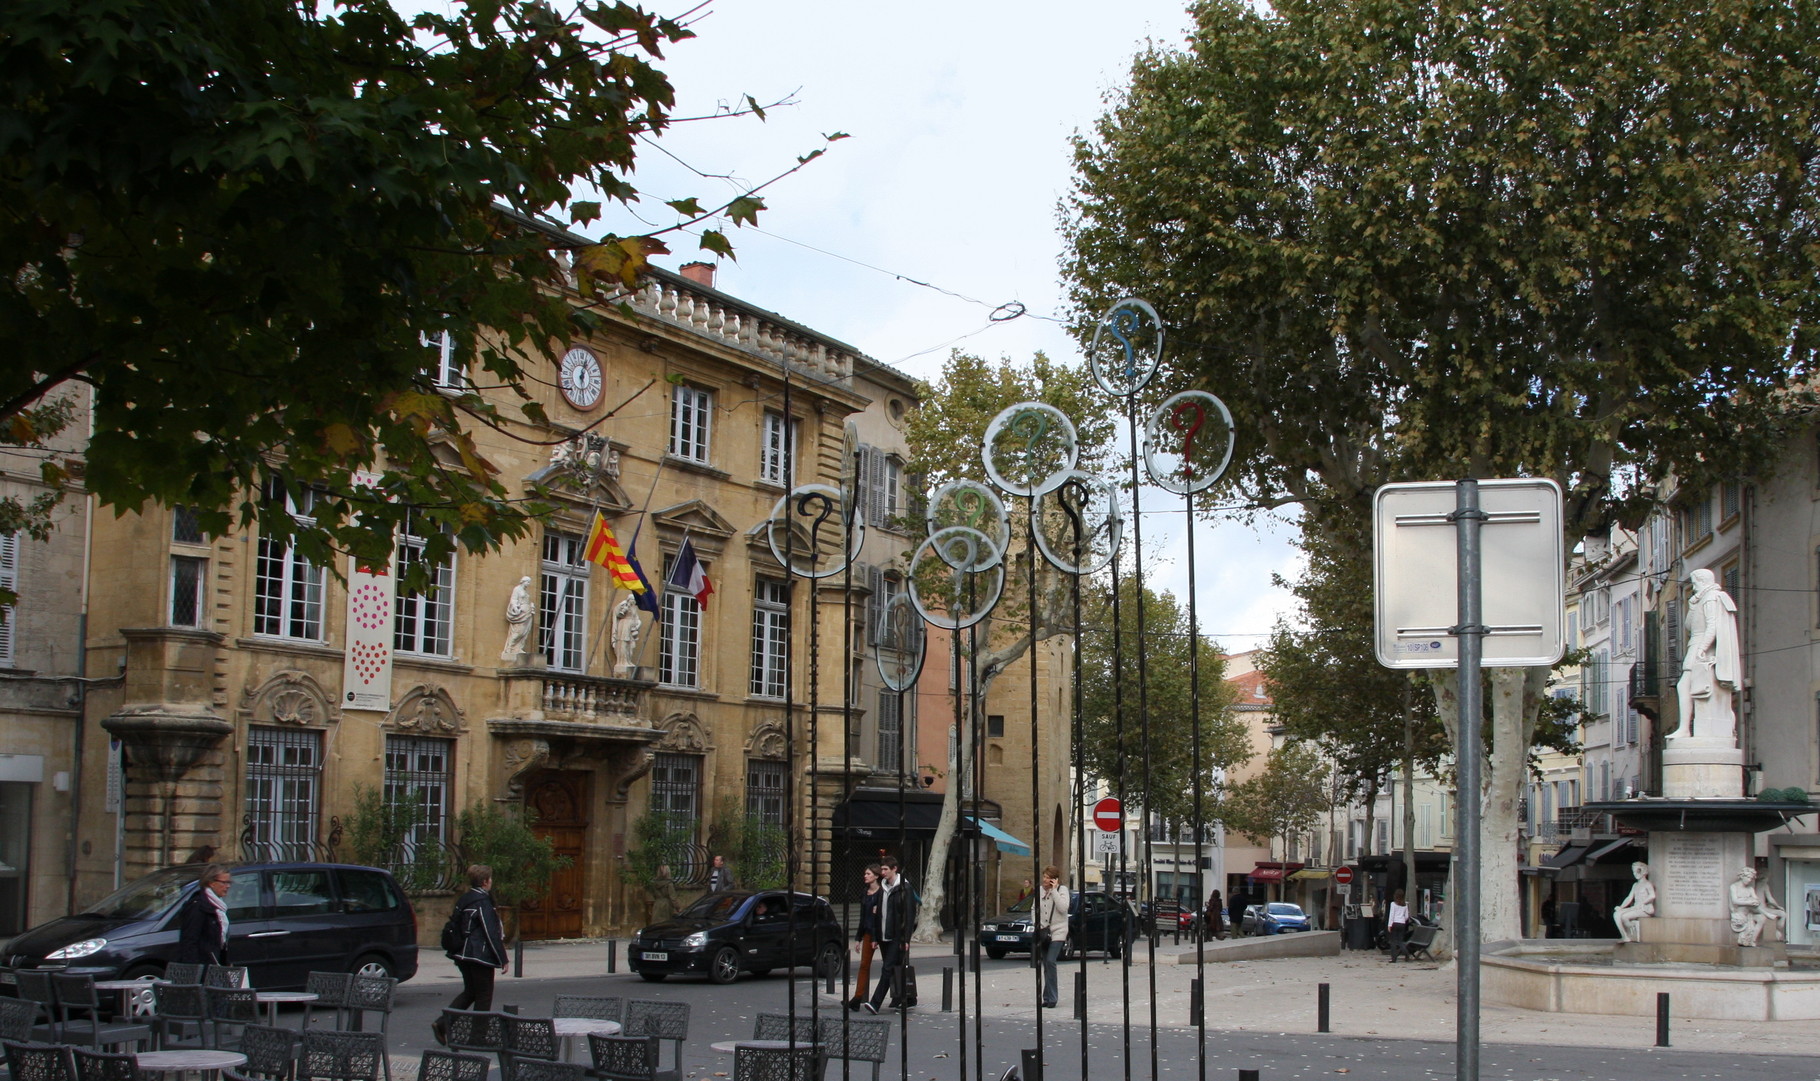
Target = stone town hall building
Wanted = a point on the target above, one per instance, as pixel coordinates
(214, 665)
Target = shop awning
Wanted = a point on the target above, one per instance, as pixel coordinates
(1273, 872)
(1005, 842)
(1567, 857)
(875, 813)
(1622, 848)
(1309, 873)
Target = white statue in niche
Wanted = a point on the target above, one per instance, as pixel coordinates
(1752, 907)
(626, 628)
(1639, 903)
(1709, 673)
(518, 620)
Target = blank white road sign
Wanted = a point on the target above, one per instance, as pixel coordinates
(1522, 573)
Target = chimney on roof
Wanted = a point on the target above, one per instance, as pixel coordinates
(699, 273)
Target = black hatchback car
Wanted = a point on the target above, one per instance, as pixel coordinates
(1106, 927)
(734, 931)
(285, 920)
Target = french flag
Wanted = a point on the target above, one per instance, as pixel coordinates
(686, 574)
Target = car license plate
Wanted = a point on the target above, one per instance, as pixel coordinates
(1007, 938)
(650, 956)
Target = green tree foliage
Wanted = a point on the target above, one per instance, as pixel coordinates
(382, 833)
(658, 839)
(1287, 797)
(236, 220)
(1326, 685)
(1109, 695)
(1563, 238)
(522, 861)
(756, 849)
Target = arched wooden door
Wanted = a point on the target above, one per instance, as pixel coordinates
(559, 801)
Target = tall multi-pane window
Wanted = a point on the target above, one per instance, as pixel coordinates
(770, 637)
(283, 787)
(890, 731)
(562, 603)
(691, 414)
(423, 621)
(189, 569)
(765, 791)
(420, 774)
(287, 589)
(676, 787)
(9, 579)
(775, 447)
(679, 641)
(444, 368)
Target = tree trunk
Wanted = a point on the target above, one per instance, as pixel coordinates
(1515, 694)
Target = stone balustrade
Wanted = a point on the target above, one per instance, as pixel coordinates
(673, 301)
(593, 699)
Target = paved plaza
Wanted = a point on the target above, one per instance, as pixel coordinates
(1389, 1022)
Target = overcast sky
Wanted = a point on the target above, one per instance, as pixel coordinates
(959, 117)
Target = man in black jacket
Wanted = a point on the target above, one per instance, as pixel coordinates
(482, 952)
(896, 923)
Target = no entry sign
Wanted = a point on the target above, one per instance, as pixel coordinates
(1343, 875)
(1109, 815)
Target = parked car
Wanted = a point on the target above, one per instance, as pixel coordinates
(734, 931)
(1106, 927)
(285, 920)
(1274, 918)
(1171, 917)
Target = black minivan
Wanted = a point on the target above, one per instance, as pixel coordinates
(285, 920)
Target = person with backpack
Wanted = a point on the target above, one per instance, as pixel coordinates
(475, 940)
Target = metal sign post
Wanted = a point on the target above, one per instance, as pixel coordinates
(1471, 634)
(1525, 560)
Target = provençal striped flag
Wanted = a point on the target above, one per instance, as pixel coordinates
(604, 550)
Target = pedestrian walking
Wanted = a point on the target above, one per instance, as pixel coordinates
(720, 876)
(867, 942)
(202, 932)
(1215, 918)
(1398, 927)
(663, 895)
(481, 952)
(896, 923)
(1051, 930)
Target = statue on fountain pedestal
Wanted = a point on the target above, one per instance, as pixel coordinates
(1640, 902)
(1752, 907)
(1709, 674)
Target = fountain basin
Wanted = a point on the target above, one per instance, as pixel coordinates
(1565, 976)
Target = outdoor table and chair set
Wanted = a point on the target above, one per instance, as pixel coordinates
(625, 1041)
(201, 1020)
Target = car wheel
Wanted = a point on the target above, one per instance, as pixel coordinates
(828, 961)
(371, 964)
(654, 977)
(140, 1002)
(723, 967)
(996, 955)
(1115, 945)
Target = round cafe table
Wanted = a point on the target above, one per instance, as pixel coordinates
(188, 1060)
(727, 1047)
(274, 999)
(570, 1031)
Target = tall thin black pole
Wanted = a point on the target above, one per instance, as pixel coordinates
(1143, 705)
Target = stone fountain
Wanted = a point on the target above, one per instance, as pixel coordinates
(1697, 925)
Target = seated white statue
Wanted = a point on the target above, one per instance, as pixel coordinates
(1752, 907)
(1639, 903)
